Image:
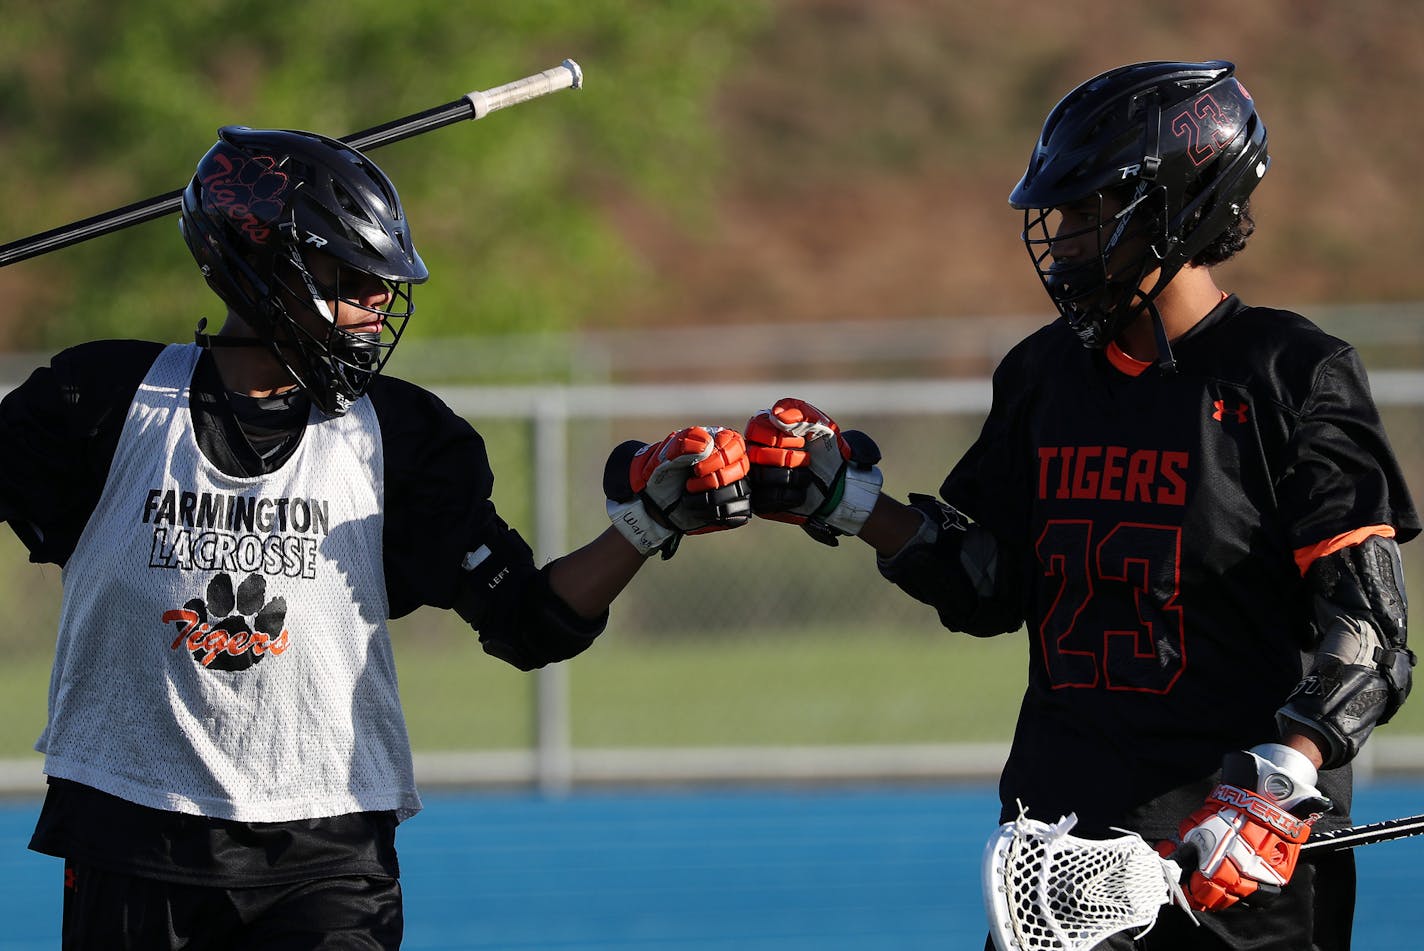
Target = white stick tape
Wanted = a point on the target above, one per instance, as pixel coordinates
(567, 75)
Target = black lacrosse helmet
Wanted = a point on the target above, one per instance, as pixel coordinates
(1179, 145)
(264, 199)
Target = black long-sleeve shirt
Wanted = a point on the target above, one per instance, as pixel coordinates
(63, 425)
(1157, 524)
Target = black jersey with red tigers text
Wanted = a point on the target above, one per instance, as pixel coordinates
(1159, 523)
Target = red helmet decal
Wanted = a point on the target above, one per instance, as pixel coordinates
(1207, 125)
(248, 190)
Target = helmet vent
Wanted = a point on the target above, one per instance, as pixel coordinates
(348, 202)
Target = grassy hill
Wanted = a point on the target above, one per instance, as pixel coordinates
(728, 160)
(870, 150)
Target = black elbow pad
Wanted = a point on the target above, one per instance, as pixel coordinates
(953, 566)
(489, 575)
(525, 624)
(1363, 668)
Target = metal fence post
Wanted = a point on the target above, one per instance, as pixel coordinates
(553, 749)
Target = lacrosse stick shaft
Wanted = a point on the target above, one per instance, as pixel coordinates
(472, 105)
(1366, 835)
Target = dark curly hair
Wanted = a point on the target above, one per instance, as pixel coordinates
(1226, 245)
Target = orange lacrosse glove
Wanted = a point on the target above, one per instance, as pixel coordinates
(692, 482)
(807, 472)
(1243, 844)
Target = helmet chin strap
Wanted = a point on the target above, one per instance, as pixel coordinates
(207, 341)
(1165, 360)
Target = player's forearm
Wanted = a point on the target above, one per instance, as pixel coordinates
(590, 578)
(891, 524)
(1307, 742)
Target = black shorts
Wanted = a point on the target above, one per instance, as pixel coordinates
(105, 911)
(1315, 912)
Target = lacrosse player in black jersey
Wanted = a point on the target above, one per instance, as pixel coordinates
(237, 519)
(1188, 501)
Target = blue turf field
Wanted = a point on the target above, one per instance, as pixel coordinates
(824, 869)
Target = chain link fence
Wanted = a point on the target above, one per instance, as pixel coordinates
(751, 653)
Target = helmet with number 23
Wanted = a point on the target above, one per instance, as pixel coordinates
(1168, 154)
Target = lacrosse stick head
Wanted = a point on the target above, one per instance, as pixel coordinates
(1046, 890)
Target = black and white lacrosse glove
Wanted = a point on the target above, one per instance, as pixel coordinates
(805, 471)
(693, 481)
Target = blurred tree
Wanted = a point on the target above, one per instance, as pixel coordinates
(111, 103)
(730, 160)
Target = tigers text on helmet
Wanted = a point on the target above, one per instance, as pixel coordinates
(262, 204)
(1169, 153)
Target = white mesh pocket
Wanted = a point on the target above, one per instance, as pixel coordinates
(1046, 890)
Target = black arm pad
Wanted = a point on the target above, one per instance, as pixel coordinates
(953, 566)
(548, 631)
(1364, 581)
(518, 616)
(1363, 666)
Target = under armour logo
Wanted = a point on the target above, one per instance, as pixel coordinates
(1236, 413)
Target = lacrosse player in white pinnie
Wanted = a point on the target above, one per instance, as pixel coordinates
(237, 519)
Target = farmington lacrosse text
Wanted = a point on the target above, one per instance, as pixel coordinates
(207, 531)
(293, 556)
(236, 512)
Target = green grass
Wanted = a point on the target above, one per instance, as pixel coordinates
(752, 689)
(765, 689)
(780, 688)
(768, 689)
(689, 685)
(24, 684)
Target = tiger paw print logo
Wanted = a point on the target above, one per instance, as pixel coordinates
(222, 638)
(248, 190)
